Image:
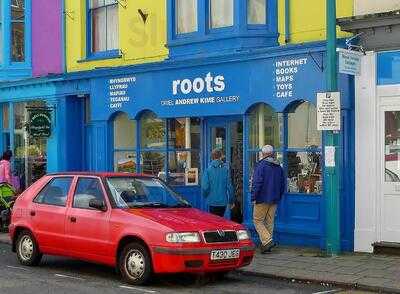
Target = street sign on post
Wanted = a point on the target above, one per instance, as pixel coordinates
(349, 62)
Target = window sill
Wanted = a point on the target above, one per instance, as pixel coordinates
(104, 55)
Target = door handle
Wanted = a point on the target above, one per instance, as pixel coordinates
(72, 219)
(33, 213)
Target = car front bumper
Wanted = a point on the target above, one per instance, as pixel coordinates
(198, 260)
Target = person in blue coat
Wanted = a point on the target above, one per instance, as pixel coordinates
(216, 184)
(268, 186)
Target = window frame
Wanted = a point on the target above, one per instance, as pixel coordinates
(24, 22)
(6, 62)
(105, 54)
(103, 190)
(35, 200)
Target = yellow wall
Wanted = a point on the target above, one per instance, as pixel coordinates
(308, 19)
(139, 42)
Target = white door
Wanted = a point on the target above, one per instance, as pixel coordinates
(389, 198)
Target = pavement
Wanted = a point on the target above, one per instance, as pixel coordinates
(363, 271)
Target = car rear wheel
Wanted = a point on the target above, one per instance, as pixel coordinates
(135, 264)
(27, 249)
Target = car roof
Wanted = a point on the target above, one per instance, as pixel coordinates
(101, 174)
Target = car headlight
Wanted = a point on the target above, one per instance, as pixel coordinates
(189, 237)
(242, 235)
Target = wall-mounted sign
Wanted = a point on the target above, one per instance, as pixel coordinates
(192, 177)
(349, 62)
(39, 122)
(328, 111)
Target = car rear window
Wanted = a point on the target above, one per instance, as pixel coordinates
(55, 192)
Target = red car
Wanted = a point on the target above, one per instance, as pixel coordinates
(134, 223)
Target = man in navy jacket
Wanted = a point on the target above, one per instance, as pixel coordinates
(267, 188)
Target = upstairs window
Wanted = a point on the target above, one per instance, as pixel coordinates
(104, 25)
(257, 12)
(221, 13)
(186, 16)
(18, 30)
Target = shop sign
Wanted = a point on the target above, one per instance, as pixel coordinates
(286, 73)
(39, 123)
(328, 111)
(349, 62)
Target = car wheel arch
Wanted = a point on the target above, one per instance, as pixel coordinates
(131, 239)
(17, 232)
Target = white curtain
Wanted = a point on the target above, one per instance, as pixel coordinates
(256, 12)
(112, 27)
(99, 29)
(221, 14)
(186, 16)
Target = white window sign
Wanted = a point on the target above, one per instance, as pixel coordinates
(328, 111)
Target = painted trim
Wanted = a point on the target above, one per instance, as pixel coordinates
(110, 54)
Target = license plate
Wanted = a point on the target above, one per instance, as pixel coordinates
(225, 254)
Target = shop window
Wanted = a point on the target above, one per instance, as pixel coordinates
(221, 13)
(183, 151)
(304, 151)
(18, 30)
(6, 116)
(124, 144)
(30, 154)
(392, 146)
(257, 12)
(186, 16)
(152, 130)
(265, 127)
(103, 16)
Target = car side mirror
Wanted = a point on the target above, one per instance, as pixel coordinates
(97, 204)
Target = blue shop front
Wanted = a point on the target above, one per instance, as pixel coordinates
(165, 119)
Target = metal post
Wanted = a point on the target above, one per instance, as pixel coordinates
(332, 139)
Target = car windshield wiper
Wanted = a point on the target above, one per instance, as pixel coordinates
(181, 205)
(148, 204)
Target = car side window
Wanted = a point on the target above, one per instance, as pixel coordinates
(86, 190)
(55, 192)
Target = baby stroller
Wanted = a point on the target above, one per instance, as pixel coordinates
(7, 198)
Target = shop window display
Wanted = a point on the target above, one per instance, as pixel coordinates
(124, 144)
(304, 170)
(30, 158)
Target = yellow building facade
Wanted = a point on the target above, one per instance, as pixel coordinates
(142, 34)
(142, 29)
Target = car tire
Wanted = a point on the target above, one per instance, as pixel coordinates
(135, 264)
(27, 249)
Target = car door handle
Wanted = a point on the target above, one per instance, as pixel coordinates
(33, 213)
(72, 219)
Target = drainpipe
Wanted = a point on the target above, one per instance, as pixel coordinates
(287, 21)
(63, 39)
(332, 174)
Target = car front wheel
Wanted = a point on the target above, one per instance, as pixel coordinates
(27, 249)
(135, 264)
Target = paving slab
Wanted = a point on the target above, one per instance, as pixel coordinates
(380, 273)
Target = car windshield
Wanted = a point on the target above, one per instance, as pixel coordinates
(131, 192)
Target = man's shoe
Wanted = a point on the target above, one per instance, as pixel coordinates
(267, 247)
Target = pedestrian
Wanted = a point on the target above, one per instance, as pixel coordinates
(5, 168)
(267, 188)
(216, 184)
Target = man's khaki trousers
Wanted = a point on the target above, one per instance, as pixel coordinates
(263, 218)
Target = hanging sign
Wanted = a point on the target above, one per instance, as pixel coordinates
(349, 62)
(328, 111)
(39, 122)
